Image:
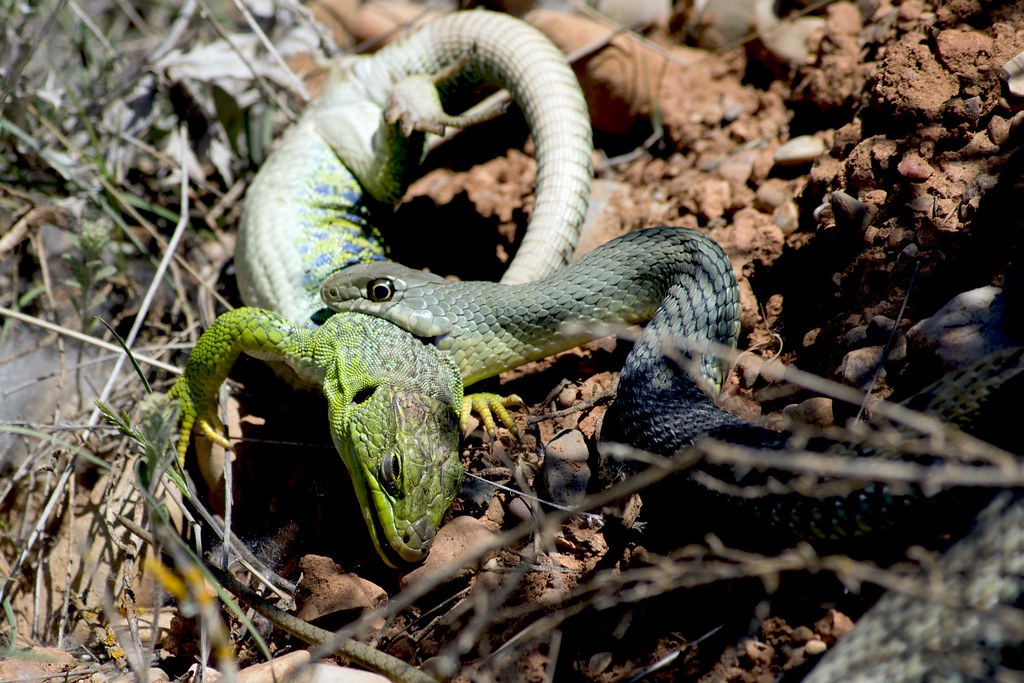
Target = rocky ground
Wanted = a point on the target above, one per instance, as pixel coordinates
(859, 165)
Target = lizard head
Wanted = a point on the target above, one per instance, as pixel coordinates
(401, 448)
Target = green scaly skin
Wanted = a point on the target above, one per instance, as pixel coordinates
(393, 407)
(312, 209)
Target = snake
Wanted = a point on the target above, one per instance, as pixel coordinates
(681, 282)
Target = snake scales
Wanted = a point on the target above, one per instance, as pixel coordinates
(682, 282)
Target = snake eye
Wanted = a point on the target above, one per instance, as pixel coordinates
(391, 472)
(380, 289)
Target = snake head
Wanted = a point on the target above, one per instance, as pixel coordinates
(401, 450)
(403, 295)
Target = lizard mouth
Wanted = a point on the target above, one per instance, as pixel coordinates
(393, 549)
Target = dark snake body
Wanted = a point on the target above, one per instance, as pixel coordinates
(663, 406)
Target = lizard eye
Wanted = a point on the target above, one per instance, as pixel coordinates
(380, 289)
(391, 472)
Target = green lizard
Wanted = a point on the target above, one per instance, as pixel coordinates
(312, 210)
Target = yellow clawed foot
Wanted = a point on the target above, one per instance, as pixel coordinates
(211, 428)
(489, 406)
(214, 431)
(209, 424)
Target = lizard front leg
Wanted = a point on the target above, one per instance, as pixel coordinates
(254, 331)
(415, 104)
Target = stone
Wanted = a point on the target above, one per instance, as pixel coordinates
(815, 411)
(1013, 73)
(635, 13)
(565, 474)
(458, 547)
(802, 149)
(913, 167)
(970, 325)
(859, 367)
(520, 509)
(848, 211)
(599, 663)
(787, 217)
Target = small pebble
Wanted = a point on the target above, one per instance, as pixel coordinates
(569, 445)
(1016, 124)
(998, 130)
(599, 663)
(802, 634)
(787, 217)
(833, 625)
(748, 370)
(922, 204)
(800, 150)
(771, 193)
(565, 474)
(456, 541)
(849, 212)
(815, 411)
(913, 167)
(860, 365)
(283, 666)
(972, 107)
(635, 12)
(881, 326)
(152, 676)
(325, 588)
(789, 42)
(757, 652)
(738, 168)
(898, 235)
(1013, 74)
(520, 509)
(567, 396)
(815, 647)
(897, 350)
(731, 109)
(856, 337)
(969, 326)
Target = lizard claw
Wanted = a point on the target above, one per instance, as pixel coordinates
(414, 103)
(488, 406)
(213, 429)
(192, 417)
